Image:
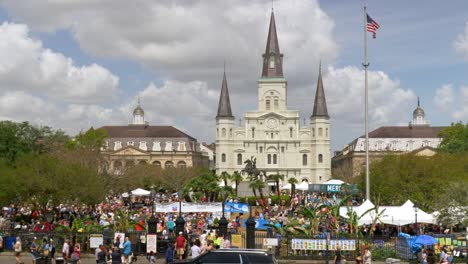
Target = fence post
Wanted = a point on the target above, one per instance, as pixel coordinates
(250, 234)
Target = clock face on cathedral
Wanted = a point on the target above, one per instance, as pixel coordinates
(272, 123)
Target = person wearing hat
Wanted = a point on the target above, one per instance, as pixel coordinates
(180, 245)
(33, 248)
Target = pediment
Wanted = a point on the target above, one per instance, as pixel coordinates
(270, 115)
(129, 150)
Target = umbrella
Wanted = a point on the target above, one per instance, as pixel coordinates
(425, 240)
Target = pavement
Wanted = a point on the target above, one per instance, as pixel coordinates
(8, 257)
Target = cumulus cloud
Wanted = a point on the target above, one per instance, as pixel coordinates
(461, 43)
(453, 101)
(190, 106)
(444, 97)
(28, 66)
(389, 103)
(189, 40)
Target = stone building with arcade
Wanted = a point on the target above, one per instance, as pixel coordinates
(141, 143)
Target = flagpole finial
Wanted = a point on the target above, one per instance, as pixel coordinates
(272, 5)
(320, 66)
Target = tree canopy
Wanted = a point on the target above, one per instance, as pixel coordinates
(454, 139)
(427, 181)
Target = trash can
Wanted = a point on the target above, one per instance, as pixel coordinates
(9, 242)
(59, 260)
(42, 260)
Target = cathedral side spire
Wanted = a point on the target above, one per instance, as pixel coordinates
(224, 106)
(272, 58)
(320, 103)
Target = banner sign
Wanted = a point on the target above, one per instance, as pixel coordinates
(151, 241)
(259, 224)
(188, 207)
(236, 240)
(321, 244)
(236, 207)
(95, 240)
(270, 242)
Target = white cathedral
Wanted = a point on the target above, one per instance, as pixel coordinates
(273, 134)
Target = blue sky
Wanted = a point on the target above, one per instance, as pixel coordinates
(84, 63)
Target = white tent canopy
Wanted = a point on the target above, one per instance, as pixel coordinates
(140, 192)
(303, 186)
(393, 215)
(337, 182)
(286, 187)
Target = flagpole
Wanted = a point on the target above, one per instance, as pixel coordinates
(366, 144)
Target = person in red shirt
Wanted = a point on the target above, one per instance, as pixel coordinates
(180, 245)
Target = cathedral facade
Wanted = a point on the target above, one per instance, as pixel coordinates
(273, 134)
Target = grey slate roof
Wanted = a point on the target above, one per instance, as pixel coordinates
(145, 131)
(224, 105)
(272, 49)
(320, 103)
(405, 132)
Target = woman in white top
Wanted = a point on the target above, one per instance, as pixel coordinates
(367, 256)
(18, 248)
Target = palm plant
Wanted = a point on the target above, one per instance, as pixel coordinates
(353, 220)
(257, 184)
(277, 178)
(236, 178)
(314, 214)
(334, 213)
(376, 215)
(123, 222)
(293, 181)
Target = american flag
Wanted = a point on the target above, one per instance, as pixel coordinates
(372, 26)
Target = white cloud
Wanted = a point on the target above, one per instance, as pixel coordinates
(389, 103)
(461, 43)
(189, 40)
(27, 66)
(189, 106)
(444, 97)
(453, 101)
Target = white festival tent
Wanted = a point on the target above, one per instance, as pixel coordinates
(393, 215)
(336, 182)
(405, 214)
(303, 186)
(140, 192)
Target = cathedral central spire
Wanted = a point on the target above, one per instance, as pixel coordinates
(272, 58)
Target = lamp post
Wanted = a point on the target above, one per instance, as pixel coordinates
(180, 222)
(223, 221)
(416, 209)
(326, 246)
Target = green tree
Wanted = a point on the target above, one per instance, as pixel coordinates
(454, 139)
(277, 178)
(21, 138)
(237, 178)
(423, 180)
(293, 181)
(206, 183)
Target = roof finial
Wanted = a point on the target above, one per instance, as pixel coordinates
(272, 2)
(320, 66)
(224, 65)
(138, 100)
(418, 102)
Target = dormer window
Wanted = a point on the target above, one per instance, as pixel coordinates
(156, 146)
(143, 145)
(118, 145)
(168, 146)
(181, 146)
(272, 62)
(130, 143)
